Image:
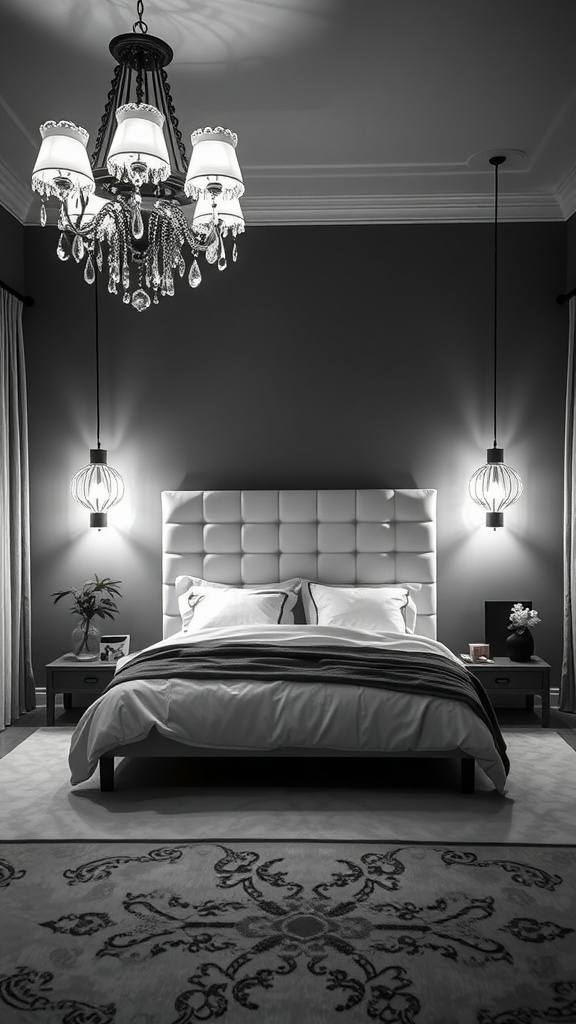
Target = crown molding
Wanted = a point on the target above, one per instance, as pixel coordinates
(566, 194)
(14, 195)
(394, 209)
(356, 209)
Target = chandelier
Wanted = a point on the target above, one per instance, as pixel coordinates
(127, 210)
(495, 486)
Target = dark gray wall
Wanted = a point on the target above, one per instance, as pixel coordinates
(328, 356)
(11, 251)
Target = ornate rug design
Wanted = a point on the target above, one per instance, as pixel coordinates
(283, 932)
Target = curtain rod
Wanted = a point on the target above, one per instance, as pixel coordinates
(26, 299)
(564, 298)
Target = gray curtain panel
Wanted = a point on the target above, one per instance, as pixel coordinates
(567, 700)
(17, 691)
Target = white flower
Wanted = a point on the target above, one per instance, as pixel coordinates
(523, 618)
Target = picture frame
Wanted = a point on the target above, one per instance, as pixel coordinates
(114, 646)
(496, 622)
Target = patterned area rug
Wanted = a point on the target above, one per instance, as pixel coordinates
(284, 932)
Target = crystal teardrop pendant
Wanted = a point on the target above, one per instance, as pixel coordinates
(137, 224)
(43, 214)
(63, 250)
(89, 273)
(77, 248)
(181, 267)
(126, 297)
(61, 224)
(212, 253)
(100, 258)
(234, 252)
(140, 300)
(194, 276)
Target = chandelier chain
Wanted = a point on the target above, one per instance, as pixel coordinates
(140, 24)
(173, 118)
(106, 117)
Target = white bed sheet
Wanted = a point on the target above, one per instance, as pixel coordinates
(246, 715)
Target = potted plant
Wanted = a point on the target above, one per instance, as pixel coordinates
(94, 598)
(520, 643)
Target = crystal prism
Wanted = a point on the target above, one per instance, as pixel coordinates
(89, 273)
(137, 223)
(77, 248)
(234, 252)
(194, 276)
(43, 215)
(212, 253)
(140, 300)
(63, 250)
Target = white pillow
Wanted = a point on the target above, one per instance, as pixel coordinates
(226, 603)
(387, 608)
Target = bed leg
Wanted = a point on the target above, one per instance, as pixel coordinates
(106, 774)
(467, 765)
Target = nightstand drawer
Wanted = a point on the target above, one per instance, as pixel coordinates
(81, 678)
(502, 680)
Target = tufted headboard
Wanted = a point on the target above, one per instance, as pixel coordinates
(333, 536)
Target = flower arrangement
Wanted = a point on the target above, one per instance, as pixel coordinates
(94, 597)
(522, 618)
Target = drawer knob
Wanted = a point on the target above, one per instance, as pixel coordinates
(90, 679)
(502, 680)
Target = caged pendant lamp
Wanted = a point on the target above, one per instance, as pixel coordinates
(97, 486)
(495, 486)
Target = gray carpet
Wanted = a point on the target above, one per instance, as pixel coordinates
(412, 800)
(280, 932)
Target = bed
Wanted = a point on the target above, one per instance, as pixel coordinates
(296, 623)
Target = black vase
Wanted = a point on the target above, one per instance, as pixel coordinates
(520, 646)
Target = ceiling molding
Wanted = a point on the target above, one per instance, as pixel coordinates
(566, 194)
(354, 209)
(417, 209)
(14, 195)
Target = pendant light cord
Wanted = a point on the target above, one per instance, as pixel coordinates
(496, 161)
(96, 333)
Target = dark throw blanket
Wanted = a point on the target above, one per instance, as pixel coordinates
(403, 671)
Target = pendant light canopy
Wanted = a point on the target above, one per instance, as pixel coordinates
(495, 486)
(97, 486)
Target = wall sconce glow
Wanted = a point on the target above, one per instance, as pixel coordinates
(495, 487)
(98, 487)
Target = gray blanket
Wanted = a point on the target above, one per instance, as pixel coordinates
(402, 671)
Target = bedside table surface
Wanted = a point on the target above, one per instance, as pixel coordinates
(535, 662)
(72, 662)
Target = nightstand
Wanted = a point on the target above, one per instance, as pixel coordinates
(67, 675)
(531, 678)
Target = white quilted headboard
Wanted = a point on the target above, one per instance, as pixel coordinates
(333, 536)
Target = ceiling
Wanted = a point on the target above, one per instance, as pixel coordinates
(347, 111)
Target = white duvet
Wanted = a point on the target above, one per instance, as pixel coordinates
(246, 715)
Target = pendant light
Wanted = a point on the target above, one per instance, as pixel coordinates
(97, 486)
(495, 486)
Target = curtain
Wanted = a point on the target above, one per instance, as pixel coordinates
(17, 691)
(567, 701)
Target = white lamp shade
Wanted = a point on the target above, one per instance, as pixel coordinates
(139, 140)
(62, 167)
(214, 162)
(228, 211)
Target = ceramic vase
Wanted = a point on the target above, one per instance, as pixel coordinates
(520, 645)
